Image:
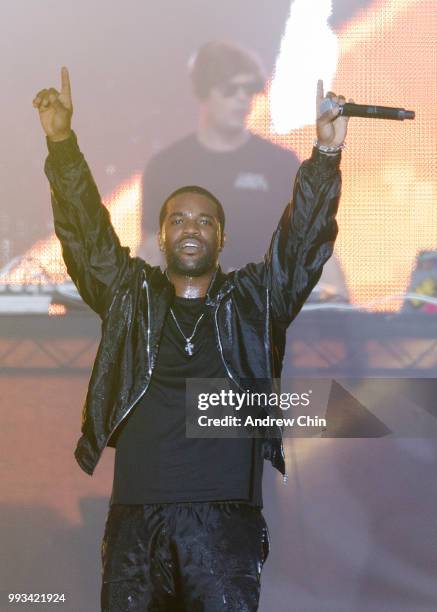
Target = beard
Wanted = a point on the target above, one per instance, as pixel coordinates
(191, 267)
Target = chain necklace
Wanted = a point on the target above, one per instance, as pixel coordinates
(189, 346)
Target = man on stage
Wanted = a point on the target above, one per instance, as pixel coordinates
(184, 531)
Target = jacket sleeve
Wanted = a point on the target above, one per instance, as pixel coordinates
(304, 238)
(91, 249)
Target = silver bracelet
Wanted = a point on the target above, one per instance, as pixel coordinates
(326, 149)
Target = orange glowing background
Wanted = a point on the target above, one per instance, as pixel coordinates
(388, 212)
(43, 263)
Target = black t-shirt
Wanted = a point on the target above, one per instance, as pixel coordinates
(254, 183)
(155, 462)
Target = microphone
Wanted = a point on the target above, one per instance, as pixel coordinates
(367, 110)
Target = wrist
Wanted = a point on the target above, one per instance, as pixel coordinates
(329, 149)
(64, 152)
(326, 163)
(60, 137)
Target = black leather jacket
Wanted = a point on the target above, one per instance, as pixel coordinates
(252, 307)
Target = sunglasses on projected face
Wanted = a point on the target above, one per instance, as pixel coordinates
(228, 90)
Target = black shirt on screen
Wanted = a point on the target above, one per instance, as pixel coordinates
(253, 182)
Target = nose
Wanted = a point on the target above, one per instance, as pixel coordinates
(243, 93)
(191, 227)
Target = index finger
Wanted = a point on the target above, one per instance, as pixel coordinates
(65, 82)
(319, 95)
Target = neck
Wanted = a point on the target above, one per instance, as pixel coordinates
(215, 138)
(190, 286)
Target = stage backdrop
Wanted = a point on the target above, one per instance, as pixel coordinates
(354, 529)
(381, 52)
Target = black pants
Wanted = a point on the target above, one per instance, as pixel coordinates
(191, 557)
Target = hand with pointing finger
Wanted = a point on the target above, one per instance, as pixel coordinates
(55, 109)
(331, 128)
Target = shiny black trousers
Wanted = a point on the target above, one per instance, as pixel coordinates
(191, 557)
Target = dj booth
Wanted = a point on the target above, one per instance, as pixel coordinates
(321, 342)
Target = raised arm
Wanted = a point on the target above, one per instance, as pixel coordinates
(95, 260)
(304, 238)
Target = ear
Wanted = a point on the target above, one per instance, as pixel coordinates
(223, 241)
(160, 238)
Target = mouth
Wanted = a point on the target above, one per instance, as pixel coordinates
(190, 246)
(241, 110)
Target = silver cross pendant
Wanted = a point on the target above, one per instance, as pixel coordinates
(189, 348)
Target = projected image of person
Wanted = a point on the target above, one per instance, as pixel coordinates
(185, 529)
(250, 175)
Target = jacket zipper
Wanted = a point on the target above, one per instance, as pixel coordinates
(285, 475)
(150, 366)
(221, 349)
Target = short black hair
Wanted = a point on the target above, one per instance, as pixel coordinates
(218, 61)
(201, 191)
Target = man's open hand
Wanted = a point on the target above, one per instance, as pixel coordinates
(331, 128)
(55, 109)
